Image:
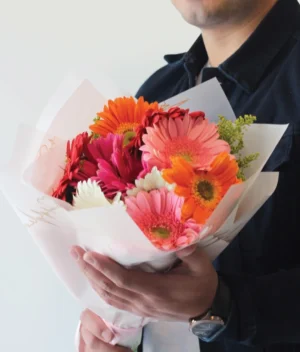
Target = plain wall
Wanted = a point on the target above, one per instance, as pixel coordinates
(40, 40)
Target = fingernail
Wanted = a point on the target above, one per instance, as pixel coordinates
(74, 254)
(89, 259)
(107, 335)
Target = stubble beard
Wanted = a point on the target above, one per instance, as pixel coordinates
(228, 12)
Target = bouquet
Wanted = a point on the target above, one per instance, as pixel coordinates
(139, 182)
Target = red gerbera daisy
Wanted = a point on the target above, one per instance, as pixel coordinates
(80, 166)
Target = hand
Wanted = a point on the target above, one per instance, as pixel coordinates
(183, 293)
(94, 335)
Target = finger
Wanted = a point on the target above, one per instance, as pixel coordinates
(95, 325)
(101, 283)
(95, 345)
(82, 346)
(104, 294)
(90, 272)
(142, 309)
(132, 280)
(186, 251)
(90, 340)
(195, 258)
(110, 350)
(122, 304)
(77, 252)
(97, 279)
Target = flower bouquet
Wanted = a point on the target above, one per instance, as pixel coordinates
(139, 182)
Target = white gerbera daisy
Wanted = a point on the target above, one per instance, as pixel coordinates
(90, 195)
(153, 180)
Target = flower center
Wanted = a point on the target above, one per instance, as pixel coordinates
(206, 190)
(128, 130)
(161, 232)
(125, 127)
(186, 156)
(128, 137)
(183, 147)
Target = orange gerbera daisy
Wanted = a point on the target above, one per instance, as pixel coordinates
(202, 190)
(122, 116)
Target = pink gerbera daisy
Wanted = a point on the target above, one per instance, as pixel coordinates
(117, 167)
(195, 140)
(158, 215)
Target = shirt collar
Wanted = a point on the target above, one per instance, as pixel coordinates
(247, 65)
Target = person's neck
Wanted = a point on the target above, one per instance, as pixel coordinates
(224, 40)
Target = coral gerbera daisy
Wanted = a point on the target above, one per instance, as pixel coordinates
(122, 116)
(152, 117)
(80, 166)
(158, 215)
(202, 190)
(117, 167)
(195, 140)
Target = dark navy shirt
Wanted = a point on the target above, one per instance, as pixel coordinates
(262, 265)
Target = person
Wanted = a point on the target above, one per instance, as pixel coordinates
(253, 48)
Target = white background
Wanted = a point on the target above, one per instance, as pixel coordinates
(40, 40)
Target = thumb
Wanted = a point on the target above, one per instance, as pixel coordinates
(81, 343)
(194, 257)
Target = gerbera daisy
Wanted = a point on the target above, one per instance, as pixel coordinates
(152, 117)
(80, 166)
(117, 167)
(90, 195)
(122, 116)
(195, 140)
(202, 190)
(158, 215)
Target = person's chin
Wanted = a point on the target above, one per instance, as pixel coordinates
(193, 11)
